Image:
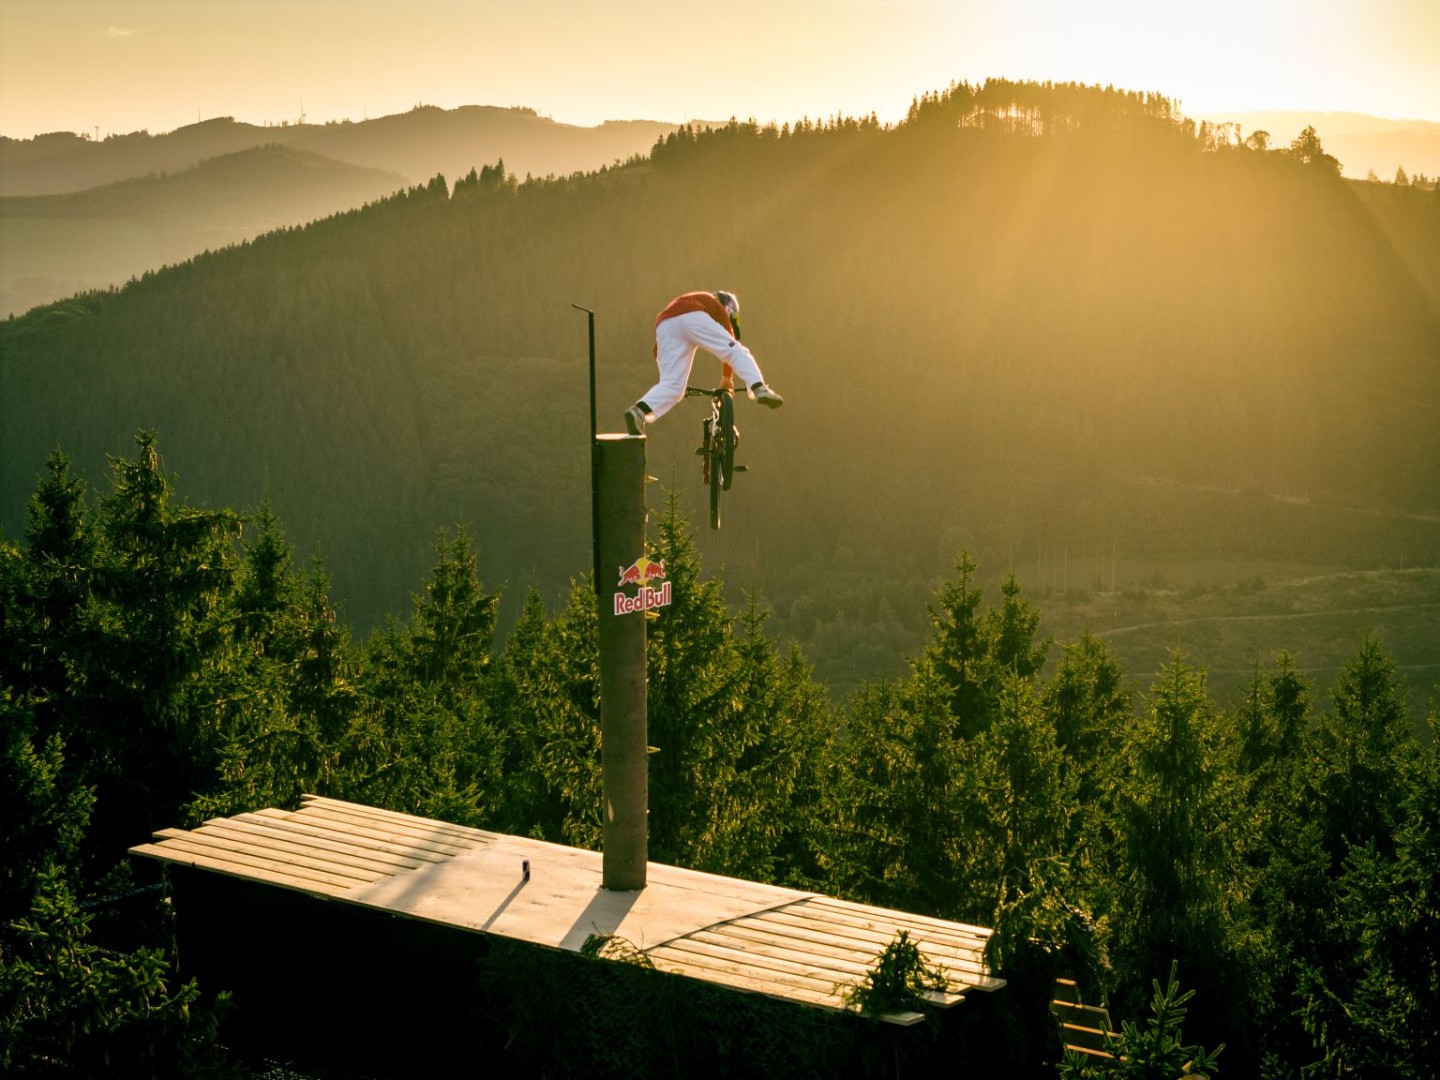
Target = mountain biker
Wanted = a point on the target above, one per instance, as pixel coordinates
(696, 320)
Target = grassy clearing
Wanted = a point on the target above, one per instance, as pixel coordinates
(1231, 629)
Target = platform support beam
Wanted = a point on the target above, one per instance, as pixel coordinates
(620, 541)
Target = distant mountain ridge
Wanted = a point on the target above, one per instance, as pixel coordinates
(53, 246)
(417, 145)
(77, 214)
(1363, 143)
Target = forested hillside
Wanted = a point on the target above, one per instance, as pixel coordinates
(163, 662)
(1059, 326)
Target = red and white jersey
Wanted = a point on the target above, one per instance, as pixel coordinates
(707, 302)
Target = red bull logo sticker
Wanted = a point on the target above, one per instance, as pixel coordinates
(641, 573)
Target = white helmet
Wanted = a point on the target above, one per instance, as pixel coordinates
(730, 300)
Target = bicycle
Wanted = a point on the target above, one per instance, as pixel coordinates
(718, 439)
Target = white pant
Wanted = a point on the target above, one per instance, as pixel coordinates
(676, 340)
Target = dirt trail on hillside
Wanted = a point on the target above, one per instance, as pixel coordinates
(1260, 618)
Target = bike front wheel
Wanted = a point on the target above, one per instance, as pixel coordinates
(727, 438)
(719, 478)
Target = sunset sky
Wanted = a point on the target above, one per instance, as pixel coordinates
(83, 65)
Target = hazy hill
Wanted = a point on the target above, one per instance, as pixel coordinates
(1362, 143)
(56, 245)
(132, 203)
(1043, 323)
(417, 145)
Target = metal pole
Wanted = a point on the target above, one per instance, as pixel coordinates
(594, 464)
(620, 543)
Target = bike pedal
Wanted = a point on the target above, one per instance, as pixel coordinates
(740, 468)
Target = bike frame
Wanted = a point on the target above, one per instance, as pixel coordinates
(717, 447)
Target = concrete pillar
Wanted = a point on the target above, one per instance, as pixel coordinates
(620, 529)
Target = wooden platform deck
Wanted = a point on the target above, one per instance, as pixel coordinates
(764, 939)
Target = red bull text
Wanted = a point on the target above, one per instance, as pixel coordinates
(641, 572)
(647, 599)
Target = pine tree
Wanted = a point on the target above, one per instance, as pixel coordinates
(424, 742)
(1356, 811)
(736, 728)
(1383, 1019)
(1357, 747)
(157, 654)
(897, 829)
(1180, 882)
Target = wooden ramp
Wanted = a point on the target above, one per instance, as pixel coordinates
(1084, 1029)
(784, 943)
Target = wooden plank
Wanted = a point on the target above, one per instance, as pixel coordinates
(871, 941)
(945, 999)
(247, 873)
(769, 976)
(909, 917)
(758, 962)
(1066, 992)
(808, 944)
(957, 937)
(1102, 1055)
(1083, 1026)
(737, 981)
(343, 817)
(813, 941)
(1085, 1038)
(756, 895)
(740, 981)
(320, 818)
(813, 958)
(243, 867)
(436, 852)
(252, 838)
(875, 932)
(380, 828)
(269, 852)
(713, 956)
(222, 848)
(819, 937)
(324, 839)
(394, 816)
(269, 857)
(1084, 1015)
(395, 861)
(876, 939)
(842, 968)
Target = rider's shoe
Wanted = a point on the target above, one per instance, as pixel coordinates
(635, 418)
(765, 396)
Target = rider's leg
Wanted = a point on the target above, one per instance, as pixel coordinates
(713, 338)
(674, 356)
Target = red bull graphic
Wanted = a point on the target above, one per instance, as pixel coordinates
(641, 573)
